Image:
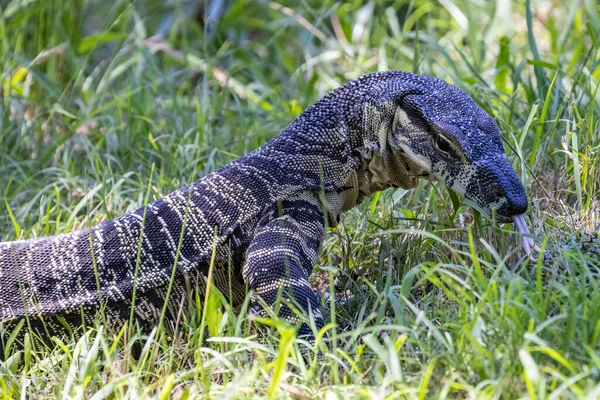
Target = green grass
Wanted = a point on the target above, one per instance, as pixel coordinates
(442, 306)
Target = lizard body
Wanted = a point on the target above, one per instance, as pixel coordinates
(265, 214)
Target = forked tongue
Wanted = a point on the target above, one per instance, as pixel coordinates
(531, 249)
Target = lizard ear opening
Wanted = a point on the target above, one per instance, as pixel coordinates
(411, 131)
(409, 107)
(410, 118)
(410, 144)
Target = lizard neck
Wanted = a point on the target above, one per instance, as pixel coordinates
(375, 172)
(383, 162)
(380, 160)
(381, 170)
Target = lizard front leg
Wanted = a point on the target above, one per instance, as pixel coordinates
(281, 257)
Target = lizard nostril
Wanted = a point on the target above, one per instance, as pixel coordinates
(498, 192)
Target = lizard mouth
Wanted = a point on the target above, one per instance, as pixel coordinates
(531, 249)
(503, 219)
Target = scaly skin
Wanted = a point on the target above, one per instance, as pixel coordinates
(265, 213)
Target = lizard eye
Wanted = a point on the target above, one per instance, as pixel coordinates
(442, 144)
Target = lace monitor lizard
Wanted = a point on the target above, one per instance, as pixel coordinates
(265, 214)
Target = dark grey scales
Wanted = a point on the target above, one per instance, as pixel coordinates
(269, 209)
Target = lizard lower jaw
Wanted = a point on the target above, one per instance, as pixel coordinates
(503, 219)
(499, 218)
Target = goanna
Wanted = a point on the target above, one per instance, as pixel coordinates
(265, 214)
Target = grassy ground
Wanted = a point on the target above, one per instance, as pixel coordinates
(443, 306)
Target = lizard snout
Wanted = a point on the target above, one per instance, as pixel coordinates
(496, 186)
(514, 200)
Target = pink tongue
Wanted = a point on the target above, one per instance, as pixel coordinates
(531, 249)
(520, 224)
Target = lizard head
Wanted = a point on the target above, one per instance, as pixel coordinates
(439, 133)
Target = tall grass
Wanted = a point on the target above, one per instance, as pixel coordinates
(437, 302)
